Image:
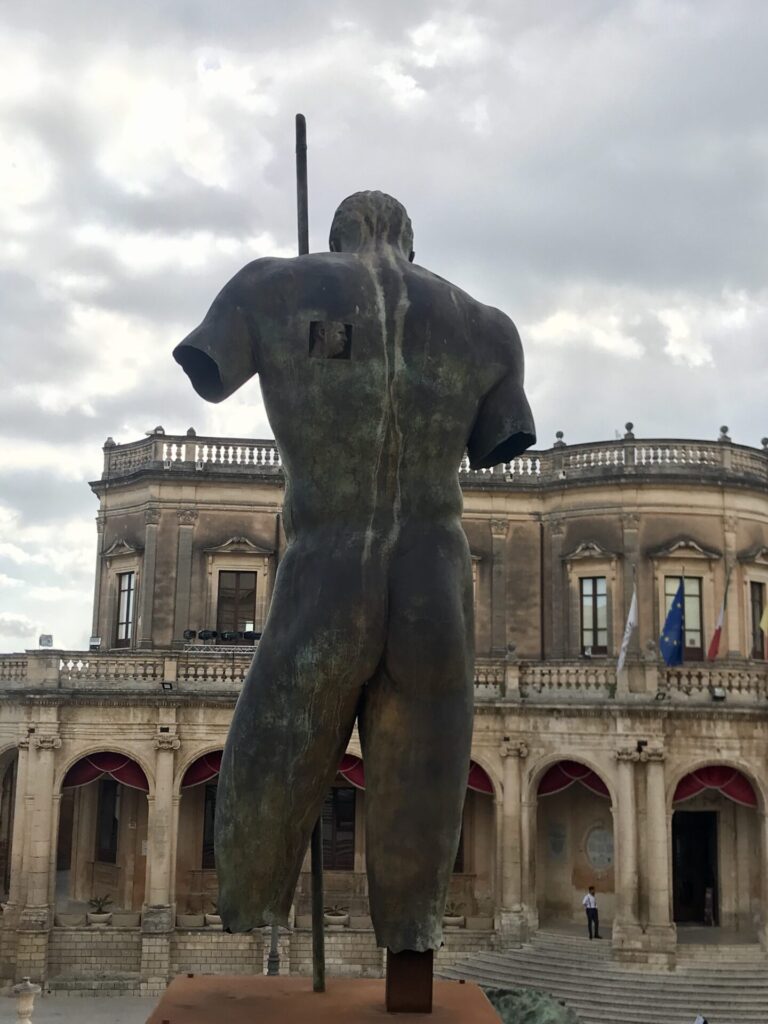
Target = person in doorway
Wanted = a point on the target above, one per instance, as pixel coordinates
(590, 905)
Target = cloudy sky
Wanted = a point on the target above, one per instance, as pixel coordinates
(595, 168)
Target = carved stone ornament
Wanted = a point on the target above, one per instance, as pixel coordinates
(590, 549)
(757, 555)
(630, 520)
(627, 754)
(239, 546)
(499, 527)
(47, 742)
(653, 754)
(684, 546)
(23, 743)
(152, 516)
(556, 525)
(166, 741)
(517, 749)
(187, 516)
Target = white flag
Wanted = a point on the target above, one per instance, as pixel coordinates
(628, 629)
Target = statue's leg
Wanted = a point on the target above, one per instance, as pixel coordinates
(416, 731)
(322, 641)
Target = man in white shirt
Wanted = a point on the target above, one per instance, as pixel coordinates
(590, 905)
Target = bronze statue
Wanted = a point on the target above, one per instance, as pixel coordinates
(376, 376)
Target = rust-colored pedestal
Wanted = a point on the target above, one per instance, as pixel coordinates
(227, 999)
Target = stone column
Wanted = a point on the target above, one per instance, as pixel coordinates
(734, 633)
(187, 519)
(512, 924)
(158, 914)
(36, 917)
(96, 622)
(147, 594)
(662, 935)
(558, 588)
(499, 529)
(626, 928)
(17, 888)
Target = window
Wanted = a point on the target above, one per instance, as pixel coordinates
(692, 609)
(209, 816)
(339, 829)
(236, 607)
(107, 816)
(757, 601)
(594, 615)
(126, 588)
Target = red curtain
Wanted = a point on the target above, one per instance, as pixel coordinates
(351, 769)
(202, 770)
(565, 774)
(728, 781)
(117, 766)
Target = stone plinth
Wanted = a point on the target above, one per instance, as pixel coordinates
(209, 999)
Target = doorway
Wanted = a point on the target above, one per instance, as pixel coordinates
(694, 867)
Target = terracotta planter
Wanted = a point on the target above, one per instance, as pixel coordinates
(98, 920)
(190, 920)
(336, 920)
(126, 919)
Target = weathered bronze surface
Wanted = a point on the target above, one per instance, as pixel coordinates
(376, 375)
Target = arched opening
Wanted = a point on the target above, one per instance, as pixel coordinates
(197, 887)
(8, 768)
(716, 878)
(102, 839)
(574, 844)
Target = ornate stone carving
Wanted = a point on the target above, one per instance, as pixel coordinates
(47, 742)
(627, 754)
(630, 520)
(23, 743)
(152, 516)
(167, 741)
(557, 525)
(120, 547)
(238, 546)
(589, 549)
(517, 749)
(499, 528)
(684, 546)
(653, 754)
(187, 516)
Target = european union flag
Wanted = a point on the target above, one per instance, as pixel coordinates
(671, 639)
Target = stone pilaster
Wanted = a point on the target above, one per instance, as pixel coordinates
(17, 888)
(187, 519)
(660, 932)
(512, 918)
(95, 624)
(36, 918)
(499, 530)
(159, 910)
(627, 935)
(734, 640)
(147, 595)
(557, 587)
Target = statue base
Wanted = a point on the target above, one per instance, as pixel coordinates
(236, 999)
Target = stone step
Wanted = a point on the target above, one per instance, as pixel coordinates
(613, 988)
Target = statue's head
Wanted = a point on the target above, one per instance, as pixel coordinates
(370, 219)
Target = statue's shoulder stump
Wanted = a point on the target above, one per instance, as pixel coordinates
(211, 999)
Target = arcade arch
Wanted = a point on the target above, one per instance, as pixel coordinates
(717, 850)
(102, 832)
(574, 842)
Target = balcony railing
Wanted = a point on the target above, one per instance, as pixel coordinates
(188, 673)
(592, 461)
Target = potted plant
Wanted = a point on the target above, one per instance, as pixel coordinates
(336, 916)
(453, 916)
(99, 915)
(213, 920)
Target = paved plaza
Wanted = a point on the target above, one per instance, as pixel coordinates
(85, 1010)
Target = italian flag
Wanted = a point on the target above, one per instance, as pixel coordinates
(714, 644)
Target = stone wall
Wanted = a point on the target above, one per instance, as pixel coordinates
(94, 952)
(209, 952)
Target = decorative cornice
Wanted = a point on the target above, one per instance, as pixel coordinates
(627, 754)
(590, 549)
(499, 528)
(167, 741)
(152, 516)
(655, 754)
(47, 742)
(683, 545)
(239, 546)
(187, 516)
(556, 525)
(758, 554)
(121, 547)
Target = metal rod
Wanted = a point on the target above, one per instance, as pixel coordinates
(273, 959)
(302, 199)
(318, 934)
(316, 846)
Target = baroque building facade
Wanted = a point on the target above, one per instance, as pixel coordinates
(649, 783)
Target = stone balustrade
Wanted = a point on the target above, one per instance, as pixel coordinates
(595, 460)
(222, 671)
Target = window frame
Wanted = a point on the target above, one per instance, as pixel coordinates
(757, 643)
(130, 621)
(256, 624)
(601, 650)
(689, 653)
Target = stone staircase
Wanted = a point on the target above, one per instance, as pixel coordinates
(726, 984)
